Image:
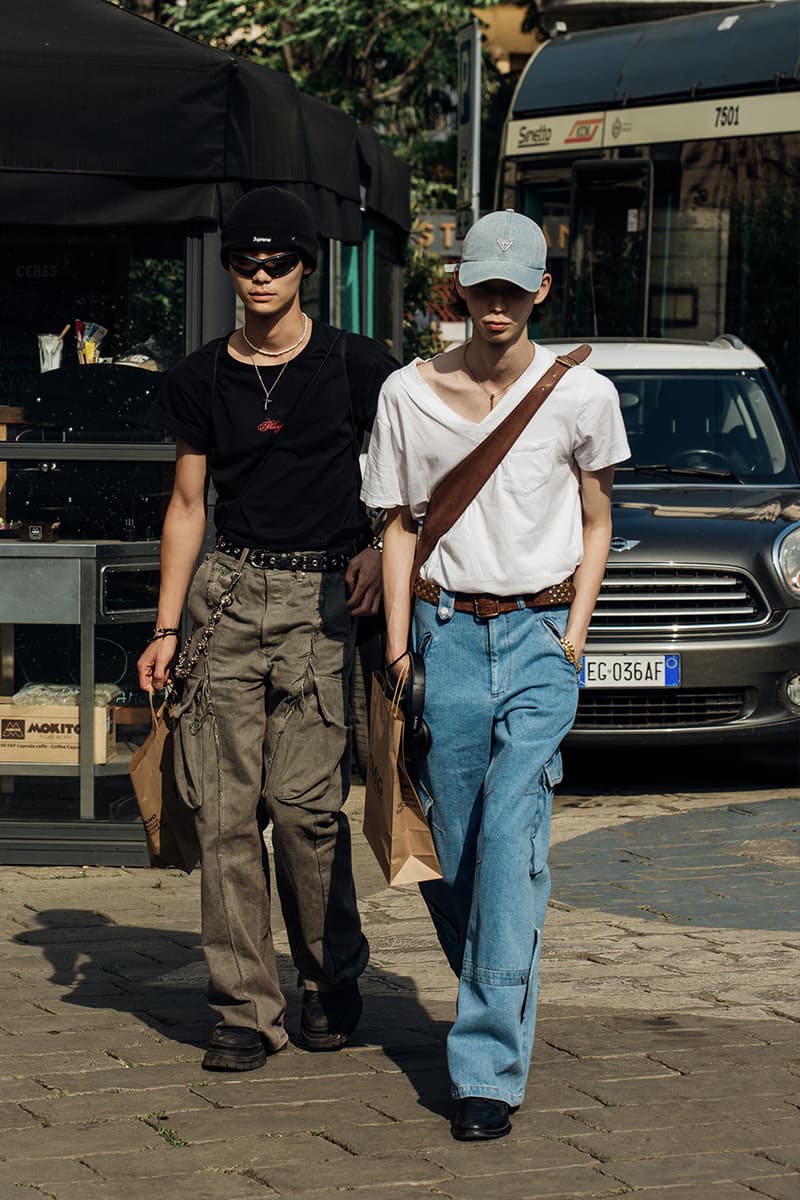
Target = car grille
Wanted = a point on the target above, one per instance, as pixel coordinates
(655, 709)
(670, 599)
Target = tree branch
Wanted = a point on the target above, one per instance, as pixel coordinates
(396, 89)
(286, 49)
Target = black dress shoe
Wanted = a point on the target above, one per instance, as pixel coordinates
(330, 1017)
(232, 1048)
(478, 1119)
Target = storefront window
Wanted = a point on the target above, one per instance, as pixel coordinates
(89, 318)
(53, 800)
(72, 298)
(84, 499)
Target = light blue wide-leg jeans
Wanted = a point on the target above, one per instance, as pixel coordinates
(500, 696)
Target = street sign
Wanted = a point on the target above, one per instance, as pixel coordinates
(468, 164)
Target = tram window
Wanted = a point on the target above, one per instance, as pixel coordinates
(609, 267)
(548, 203)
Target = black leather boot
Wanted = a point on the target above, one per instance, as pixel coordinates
(329, 1017)
(478, 1119)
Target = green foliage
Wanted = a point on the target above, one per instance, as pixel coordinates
(424, 286)
(391, 63)
(155, 1121)
(152, 9)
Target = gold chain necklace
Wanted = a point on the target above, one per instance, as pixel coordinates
(277, 353)
(268, 391)
(493, 395)
(273, 354)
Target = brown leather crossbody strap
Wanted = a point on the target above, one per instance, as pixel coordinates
(453, 494)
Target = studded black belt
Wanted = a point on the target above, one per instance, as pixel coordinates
(291, 560)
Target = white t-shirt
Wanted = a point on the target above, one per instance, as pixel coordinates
(523, 530)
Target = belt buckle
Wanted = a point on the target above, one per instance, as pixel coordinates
(486, 607)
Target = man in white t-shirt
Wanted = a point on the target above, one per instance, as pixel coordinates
(501, 690)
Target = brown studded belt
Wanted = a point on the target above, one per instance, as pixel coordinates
(486, 607)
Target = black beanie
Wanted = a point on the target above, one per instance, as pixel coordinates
(271, 219)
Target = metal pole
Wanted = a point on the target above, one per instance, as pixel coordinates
(88, 616)
(468, 168)
(477, 114)
(470, 107)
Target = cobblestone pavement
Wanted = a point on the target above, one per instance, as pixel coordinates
(667, 1059)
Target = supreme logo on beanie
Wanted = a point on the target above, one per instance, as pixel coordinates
(270, 219)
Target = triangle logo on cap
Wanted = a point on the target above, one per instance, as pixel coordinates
(505, 243)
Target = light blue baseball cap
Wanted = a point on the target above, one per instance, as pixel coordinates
(504, 245)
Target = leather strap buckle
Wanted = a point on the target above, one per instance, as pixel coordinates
(566, 360)
(486, 607)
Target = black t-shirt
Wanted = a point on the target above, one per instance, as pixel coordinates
(287, 478)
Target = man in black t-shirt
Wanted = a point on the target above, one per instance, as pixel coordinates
(275, 414)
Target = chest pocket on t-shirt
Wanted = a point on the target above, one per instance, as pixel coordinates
(526, 467)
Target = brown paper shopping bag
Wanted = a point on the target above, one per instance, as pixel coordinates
(168, 823)
(394, 822)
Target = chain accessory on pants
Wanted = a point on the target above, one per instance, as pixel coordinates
(186, 665)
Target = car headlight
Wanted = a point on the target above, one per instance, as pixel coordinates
(787, 559)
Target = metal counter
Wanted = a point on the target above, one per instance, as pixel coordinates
(82, 583)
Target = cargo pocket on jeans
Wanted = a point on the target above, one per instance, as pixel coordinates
(554, 770)
(218, 581)
(195, 740)
(551, 776)
(310, 744)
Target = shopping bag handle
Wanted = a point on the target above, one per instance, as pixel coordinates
(157, 713)
(409, 687)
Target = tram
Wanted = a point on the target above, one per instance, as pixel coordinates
(663, 161)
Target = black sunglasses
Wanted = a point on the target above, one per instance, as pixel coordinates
(275, 267)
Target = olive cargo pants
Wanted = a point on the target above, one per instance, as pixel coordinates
(262, 736)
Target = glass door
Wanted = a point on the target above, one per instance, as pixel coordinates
(609, 256)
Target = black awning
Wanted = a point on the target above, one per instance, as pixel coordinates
(53, 198)
(388, 181)
(753, 49)
(88, 87)
(162, 124)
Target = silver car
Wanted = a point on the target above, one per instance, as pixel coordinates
(696, 633)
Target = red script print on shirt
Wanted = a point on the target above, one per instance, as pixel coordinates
(270, 426)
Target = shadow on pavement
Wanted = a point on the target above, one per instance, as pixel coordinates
(675, 768)
(730, 867)
(158, 976)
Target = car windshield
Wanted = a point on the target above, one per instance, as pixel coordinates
(702, 423)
